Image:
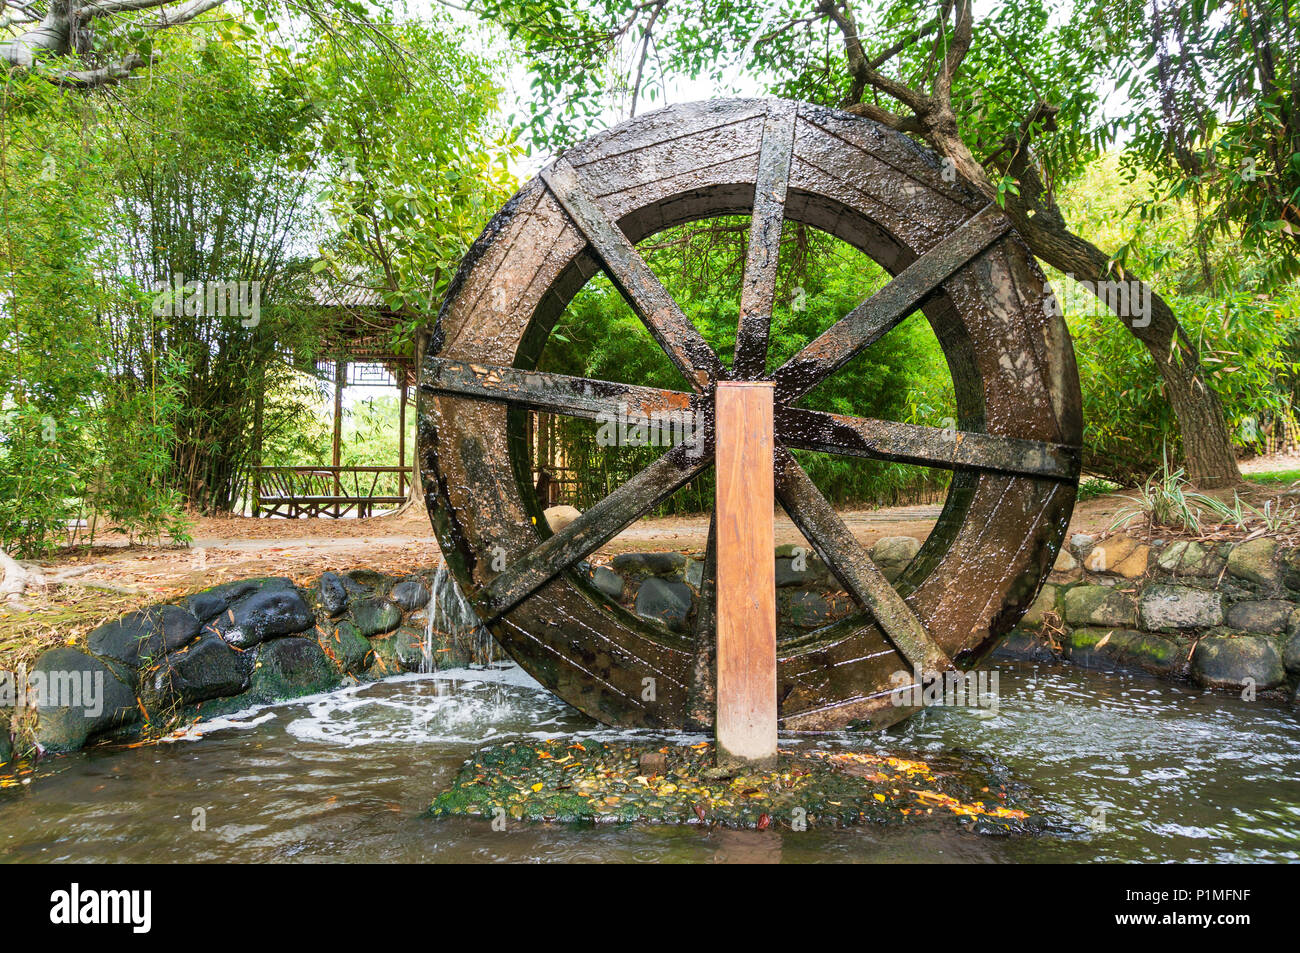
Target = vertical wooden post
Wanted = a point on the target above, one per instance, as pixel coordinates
(746, 587)
(340, 379)
(401, 434)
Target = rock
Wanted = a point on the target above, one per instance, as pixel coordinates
(1235, 661)
(1081, 545)
(403, 651)
(78, 697)
(291, 668)
(694, 574)
(410, 594)
(1124, 648)
(1190, 558)
(1120, 555)
(1024, 645)
(558, 517)
(374, 616)
(1291, 568)
(144, 635)
(1291, 653)
(608, 582)
(1265, 616)
(812, 570)
(1036, 614)
(1255, 561)
(665, 564)
(347, 648)
(893, 553)
(1065, 562)
(264, 614)
(1099, 605)
(630, 563)
(809, 610)
(664, 601)
(1180, 607)
(365, 581)
(209, 668)
(206, 605)
(333, 593)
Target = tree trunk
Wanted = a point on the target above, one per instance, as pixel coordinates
(1207, 447)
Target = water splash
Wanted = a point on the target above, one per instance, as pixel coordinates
(449, 618)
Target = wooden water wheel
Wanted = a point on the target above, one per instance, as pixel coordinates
(1014, 455)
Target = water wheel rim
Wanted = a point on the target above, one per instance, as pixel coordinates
(1006, 345)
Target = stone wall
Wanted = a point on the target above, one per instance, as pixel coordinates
(231, 647)
(1224, 615)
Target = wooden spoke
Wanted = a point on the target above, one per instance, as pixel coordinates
(923, 446)
(758, 291)
(872, 319)
(561, 394)
(846, 557)
(679, 338)
(594, 528)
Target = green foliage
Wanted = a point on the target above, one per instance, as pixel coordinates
(415, 159)
(1213, 113)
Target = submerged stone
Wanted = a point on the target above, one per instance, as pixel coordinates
(1124, 648)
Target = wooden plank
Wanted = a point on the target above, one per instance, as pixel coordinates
(847, 558)
(555, 393)
(746, 584)
(923, 446)
(872, 319)
(661, 315)
(758, 290)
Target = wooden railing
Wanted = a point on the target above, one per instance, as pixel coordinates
(292, 492)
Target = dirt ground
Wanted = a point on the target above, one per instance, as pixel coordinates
(88, 587)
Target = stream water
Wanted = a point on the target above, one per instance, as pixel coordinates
(1134, 769)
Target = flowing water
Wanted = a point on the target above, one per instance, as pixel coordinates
(1134, 769)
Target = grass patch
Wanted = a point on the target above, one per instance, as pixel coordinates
(1275, 477)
